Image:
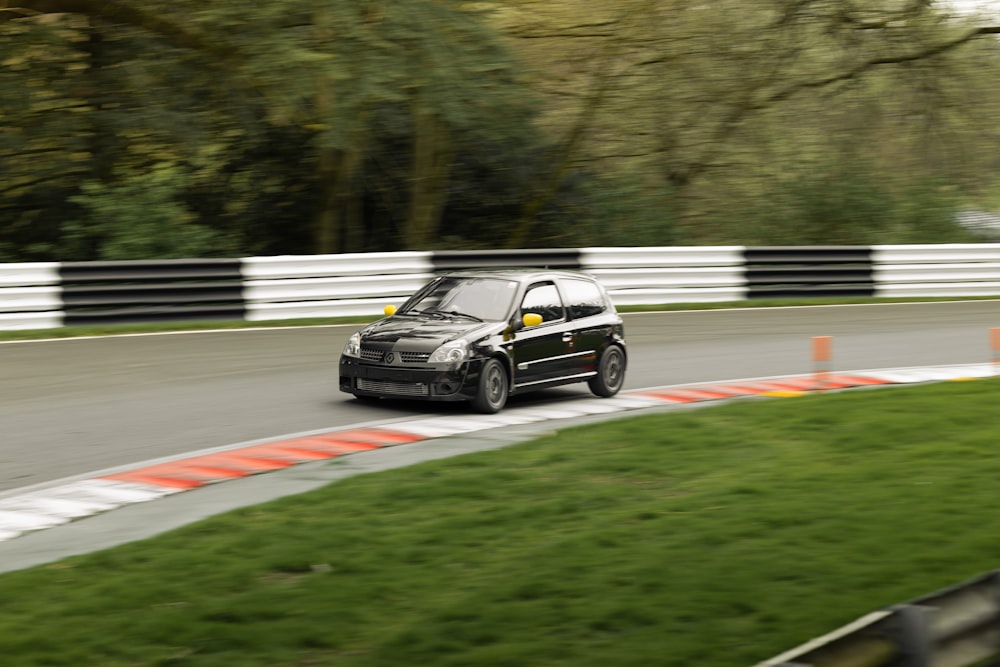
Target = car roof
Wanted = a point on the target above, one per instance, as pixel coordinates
(519, 274)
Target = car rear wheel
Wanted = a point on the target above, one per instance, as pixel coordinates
(610, 372)
(491, 394)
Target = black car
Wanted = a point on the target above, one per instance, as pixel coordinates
(480, 336)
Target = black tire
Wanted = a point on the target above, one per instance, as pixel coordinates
(367, 399)
(610, 372)
(491, 394)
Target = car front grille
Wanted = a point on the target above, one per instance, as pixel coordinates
(377, 356)
(394, 388)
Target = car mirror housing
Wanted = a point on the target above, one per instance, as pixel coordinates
(531, 319)
(389, 310)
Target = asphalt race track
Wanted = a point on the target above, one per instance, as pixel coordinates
(78, 406)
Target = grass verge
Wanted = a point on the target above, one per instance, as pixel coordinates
(160, 327)
(714, 537)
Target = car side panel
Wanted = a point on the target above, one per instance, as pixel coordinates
(589, 340)
(539, 354)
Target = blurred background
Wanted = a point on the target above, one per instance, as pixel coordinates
(136, 130)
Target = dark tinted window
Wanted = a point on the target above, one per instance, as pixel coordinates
(544, 300)
(583, 298)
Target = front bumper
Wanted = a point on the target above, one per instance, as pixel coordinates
(431, 384)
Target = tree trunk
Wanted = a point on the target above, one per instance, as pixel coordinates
(432, 156)
(550, 186)
(338, 226)
(327, 224)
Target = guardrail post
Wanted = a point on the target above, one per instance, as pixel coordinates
(912, 630)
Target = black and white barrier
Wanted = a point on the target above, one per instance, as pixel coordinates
(48, 295)
(30, 296)
(643, 276)
(296, 287)
(173, 290)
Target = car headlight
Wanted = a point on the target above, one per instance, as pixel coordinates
(353, 347)
(451, 352)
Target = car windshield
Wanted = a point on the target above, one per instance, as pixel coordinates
(487, 299)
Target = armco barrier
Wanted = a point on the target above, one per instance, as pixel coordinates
(937, 270)
(794, 272)
(49, 295)
(955, 627)
(30, 296)
(171, 290)
(282, 288)
(552, 258)
(638, 276)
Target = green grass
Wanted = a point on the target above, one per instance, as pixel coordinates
(714, 537)
(159, 327)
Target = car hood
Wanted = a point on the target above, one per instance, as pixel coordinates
(428, 333)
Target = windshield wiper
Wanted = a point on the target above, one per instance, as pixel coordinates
(460, 314)
(431, 313)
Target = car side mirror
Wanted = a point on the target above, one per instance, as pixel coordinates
(389, 310)
(528, 320)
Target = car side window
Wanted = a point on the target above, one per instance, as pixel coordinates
(583, 298)
(544, 300)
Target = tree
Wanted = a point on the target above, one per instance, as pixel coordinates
(324, 68)
(309, 126)
(700, 96)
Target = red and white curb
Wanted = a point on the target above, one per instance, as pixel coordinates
(56, 505)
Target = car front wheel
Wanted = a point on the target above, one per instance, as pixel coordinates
(491, 394)
(610, 372)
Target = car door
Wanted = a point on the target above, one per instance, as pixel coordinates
(586, 308)
(539, 353)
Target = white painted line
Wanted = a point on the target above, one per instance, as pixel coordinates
(632, 402)
(429, 428)
(61, 504)
(926, 373)
(506, 418)
(600, 406)
(486, 422)
(60, 507)
(28, 521)
(941, 374)
(914, 375)
(110, 492)
(972, 370)
(436, 428)
(545, 413)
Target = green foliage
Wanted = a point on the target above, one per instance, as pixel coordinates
(619, 211)
(308, 126)
(844, 199)
(140, 218)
